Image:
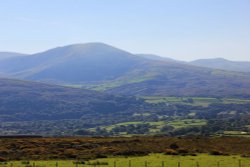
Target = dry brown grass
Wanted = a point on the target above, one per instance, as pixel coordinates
(89, 148)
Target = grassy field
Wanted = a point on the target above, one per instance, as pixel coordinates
(236, 133)
(158, 125)
(108, 85)
(187, 123)
(197, 101)
(152, 160)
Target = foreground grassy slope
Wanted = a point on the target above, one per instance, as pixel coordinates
(153, 160)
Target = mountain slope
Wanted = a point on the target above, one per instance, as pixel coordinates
(72, 64)
(102, 67)
(7, 55)
(184, 80)
(223, 64)
(156, 57)
(31, 101)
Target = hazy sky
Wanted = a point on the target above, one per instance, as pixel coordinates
(181, 29)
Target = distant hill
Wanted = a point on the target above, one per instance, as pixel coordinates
(105, 68)
(7, 55)
(31, 101)
(183, 80)
(223, 64)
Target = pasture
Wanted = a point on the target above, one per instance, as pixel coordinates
(152, 160)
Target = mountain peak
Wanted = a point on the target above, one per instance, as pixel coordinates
(90, 44)
(91, 47)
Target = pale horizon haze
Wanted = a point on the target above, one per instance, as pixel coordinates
(179, 29)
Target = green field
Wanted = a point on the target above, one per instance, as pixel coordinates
(187, 123)
(236, 133)
(197, 101)
(156, 126)
(153, 160)
(108, 85)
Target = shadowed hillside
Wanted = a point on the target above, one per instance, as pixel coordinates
(31, 101)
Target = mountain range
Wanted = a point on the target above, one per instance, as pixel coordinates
(105, 68)
(214, 63)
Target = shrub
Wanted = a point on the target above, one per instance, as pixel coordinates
(79, 162)
(193, 154)
(245, 155)
(2, 159)
(183, 151)
(25, 162)
(216, 152)
(132, 153)
(173, 146)
(101, 156)
(170, 152)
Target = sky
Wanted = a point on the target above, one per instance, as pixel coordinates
(180, 29)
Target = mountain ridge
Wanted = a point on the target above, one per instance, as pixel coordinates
(105, 68)
(8, 55)
(224, 64)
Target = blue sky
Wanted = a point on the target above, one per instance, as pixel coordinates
(181, 29)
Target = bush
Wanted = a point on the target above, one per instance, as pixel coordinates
(170, 152)
(2, 159)
(216, 152)
(173, 146)
(193, 154)
(101, 156)
(245, 155)
(79, 162)
(183, 151)
(25, 162)
(132, 153)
